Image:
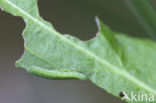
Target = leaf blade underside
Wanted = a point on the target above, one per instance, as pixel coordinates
(112, 61)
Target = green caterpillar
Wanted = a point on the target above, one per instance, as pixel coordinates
(55, 74)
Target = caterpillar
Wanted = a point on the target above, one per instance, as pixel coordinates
(55, 74)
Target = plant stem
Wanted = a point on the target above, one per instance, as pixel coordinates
(145, 14)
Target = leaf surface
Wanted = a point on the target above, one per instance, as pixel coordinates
(112, 61)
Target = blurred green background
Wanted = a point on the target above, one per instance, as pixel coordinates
(75, 17)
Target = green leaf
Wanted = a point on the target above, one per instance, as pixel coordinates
(113, 61)
(145, 14)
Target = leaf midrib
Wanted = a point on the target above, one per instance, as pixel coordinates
(102, 61)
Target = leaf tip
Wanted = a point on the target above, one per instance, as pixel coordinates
(97, 20)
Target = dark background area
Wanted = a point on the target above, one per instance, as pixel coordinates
(75, 17)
